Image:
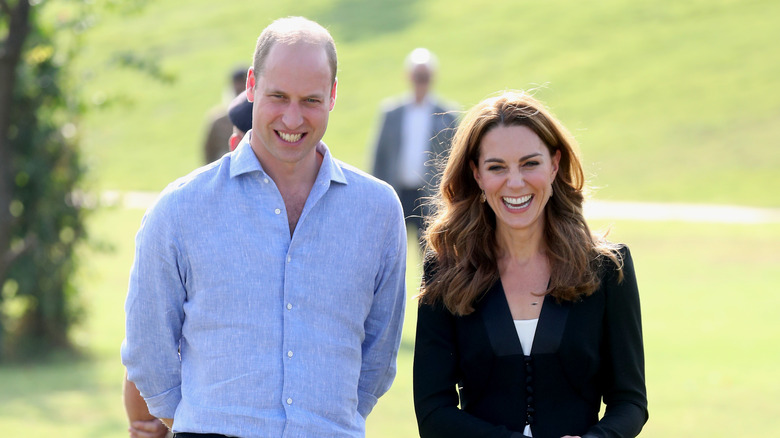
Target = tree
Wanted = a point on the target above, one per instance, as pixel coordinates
(40, 169)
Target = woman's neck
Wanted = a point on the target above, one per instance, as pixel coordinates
(520, 246)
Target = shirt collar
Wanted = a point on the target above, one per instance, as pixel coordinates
(244, 161)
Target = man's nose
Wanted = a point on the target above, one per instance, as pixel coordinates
(292, 117)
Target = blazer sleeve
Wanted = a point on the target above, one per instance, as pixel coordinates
(625, 395)
(436, 376)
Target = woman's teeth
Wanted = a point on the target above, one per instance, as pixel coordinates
(519, 202)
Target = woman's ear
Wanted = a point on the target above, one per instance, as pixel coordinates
(475, 172)
(556, 160)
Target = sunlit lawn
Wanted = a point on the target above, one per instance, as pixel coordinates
(710, 328)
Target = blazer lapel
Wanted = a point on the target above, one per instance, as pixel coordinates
(549, 330)
(498, 322)
(501, 330)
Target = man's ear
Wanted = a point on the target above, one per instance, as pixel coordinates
(250, 84)
(333, 95)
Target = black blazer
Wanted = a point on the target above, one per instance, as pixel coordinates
(582, 352)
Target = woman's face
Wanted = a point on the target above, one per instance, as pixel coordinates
(516, 172)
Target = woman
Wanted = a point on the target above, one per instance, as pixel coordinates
(534, 319)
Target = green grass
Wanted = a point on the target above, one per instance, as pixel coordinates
(710, 328)
(671, 101)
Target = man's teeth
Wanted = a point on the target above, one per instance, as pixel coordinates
(292, 138)
(519, 202)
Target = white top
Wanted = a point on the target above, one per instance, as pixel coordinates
(526, 329)
(417, 127)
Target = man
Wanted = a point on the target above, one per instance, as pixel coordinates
(267, 293)
(142, 423)
(219, 126)
(415, 131)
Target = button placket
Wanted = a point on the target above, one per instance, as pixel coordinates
(529, 390)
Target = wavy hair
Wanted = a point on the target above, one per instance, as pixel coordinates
(460, 241)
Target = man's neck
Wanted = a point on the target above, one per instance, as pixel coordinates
(295, 181)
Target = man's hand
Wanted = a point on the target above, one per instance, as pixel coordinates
(148, 429)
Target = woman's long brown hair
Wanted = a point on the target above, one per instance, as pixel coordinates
(460, 236)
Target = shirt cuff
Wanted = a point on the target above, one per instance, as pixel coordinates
(164, 405)
(366, 402)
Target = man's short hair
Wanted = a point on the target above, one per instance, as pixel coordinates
(293, 30)
(421, 56)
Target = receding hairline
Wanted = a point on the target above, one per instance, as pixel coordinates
(291, 31)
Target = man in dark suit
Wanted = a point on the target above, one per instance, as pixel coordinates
(415, 130)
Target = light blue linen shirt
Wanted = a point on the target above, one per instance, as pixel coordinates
(235, 327)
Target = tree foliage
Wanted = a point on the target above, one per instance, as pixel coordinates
(40, 170)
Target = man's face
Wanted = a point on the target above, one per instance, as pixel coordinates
(420, 77)
(292, 100)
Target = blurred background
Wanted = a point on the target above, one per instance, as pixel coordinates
(672, 102)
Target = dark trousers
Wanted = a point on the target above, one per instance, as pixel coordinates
(414, 208)
(198, 435)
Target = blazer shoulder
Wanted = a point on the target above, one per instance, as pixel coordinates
(393, 104)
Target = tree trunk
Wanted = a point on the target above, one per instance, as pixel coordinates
(10, 53)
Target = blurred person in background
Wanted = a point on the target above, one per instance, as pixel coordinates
(142, 423)
(527, 320)
(415, 130)
(219, 127)
(267, 293)
(240, 115)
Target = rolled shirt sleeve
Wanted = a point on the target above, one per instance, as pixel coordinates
(154, 310)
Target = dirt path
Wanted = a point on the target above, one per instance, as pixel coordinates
(643, 211)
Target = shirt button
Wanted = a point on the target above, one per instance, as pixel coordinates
(289, 354)
(265, 180)
(277, 211)
(289, 259)
(289, 401)
(289, 306)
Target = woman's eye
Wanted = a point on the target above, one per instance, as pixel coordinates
(531, 164)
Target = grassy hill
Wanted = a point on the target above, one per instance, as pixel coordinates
(670, 100)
